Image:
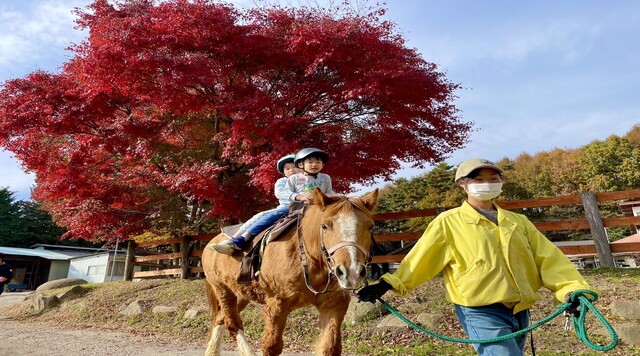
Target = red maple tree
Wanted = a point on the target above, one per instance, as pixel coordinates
(172, 114)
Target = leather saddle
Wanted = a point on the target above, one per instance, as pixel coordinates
(252, 258)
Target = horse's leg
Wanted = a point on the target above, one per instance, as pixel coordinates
(230, 307)
(244, 348)
(275, 313)
(215, 341)
(332, 311)
(216, 327)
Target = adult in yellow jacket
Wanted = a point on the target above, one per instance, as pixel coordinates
(493, 263)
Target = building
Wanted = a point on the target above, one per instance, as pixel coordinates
(590, 260)
(42, 263)
(98, 268)
(631, 208)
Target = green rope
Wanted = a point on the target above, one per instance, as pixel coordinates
(585, 297)
(579, 325)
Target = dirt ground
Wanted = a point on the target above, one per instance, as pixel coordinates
(42, 339)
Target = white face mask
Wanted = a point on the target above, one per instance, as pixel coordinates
(484, 191)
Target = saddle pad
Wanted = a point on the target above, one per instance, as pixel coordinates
(252, 259)
(229, 231)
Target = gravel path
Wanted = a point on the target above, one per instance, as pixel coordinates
(43, 339)
(40, 339)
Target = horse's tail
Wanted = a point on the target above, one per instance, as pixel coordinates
(213, 304)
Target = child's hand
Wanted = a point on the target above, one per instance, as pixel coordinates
(3, 279)
(306, 198)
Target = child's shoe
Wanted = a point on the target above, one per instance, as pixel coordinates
(229, 246)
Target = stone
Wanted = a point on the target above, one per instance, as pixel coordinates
(73, 293)
(629, 333)
(60, 283)
(429, 320)
(391, 325)
(628, 309)
(132, 309)
(195, 312)
(363, 311)
(161, 309)
(42, 302)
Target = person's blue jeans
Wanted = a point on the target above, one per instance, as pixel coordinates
(488, 322)
(267, 220)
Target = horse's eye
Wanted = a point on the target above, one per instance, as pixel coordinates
(325, 227)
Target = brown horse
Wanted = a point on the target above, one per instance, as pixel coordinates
(333, 240)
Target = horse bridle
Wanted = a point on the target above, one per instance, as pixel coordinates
(327, 255)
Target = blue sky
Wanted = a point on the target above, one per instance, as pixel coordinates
(536, 75)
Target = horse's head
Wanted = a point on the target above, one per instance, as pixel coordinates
(344, 225)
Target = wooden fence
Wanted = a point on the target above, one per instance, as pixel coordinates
(186, 263)
(593, 221)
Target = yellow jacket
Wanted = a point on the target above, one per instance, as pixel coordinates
(482, 263)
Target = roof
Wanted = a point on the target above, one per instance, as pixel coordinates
(627, 208)
(574, 243)
(65, 248)
(46, 254)
(628, 239)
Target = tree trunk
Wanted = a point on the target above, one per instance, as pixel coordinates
(128, 264)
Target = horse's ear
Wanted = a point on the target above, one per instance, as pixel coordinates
(370, 200)
(320, 199)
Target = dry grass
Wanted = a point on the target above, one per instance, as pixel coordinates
(99, 306)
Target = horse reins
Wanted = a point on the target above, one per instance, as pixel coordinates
(303, 258)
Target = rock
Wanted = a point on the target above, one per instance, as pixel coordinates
(363, 311)
(629, 333)
(134, 308)
(73, 293)
(42, 302)
(195, 312)
(60, 283)
(391, 325)
(161, 309)
(629, 309)
(429, 320)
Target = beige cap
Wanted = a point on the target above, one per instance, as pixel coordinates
(465, 168)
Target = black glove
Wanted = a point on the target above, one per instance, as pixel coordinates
(572, 298)
(373, 292)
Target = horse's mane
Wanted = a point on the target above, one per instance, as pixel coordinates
(341, 202)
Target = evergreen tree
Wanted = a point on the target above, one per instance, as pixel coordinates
(24, 224)
(8, 214)
(35, 226)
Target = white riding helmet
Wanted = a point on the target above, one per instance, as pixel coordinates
(309, 151)
(284, 160)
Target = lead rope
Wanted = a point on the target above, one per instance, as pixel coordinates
(585, 297)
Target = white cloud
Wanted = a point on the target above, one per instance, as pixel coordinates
(569, 40)
(33, 33)
(13, 177)
(566, 40)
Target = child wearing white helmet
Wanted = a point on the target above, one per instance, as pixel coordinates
(301, 185)
(263, 219)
